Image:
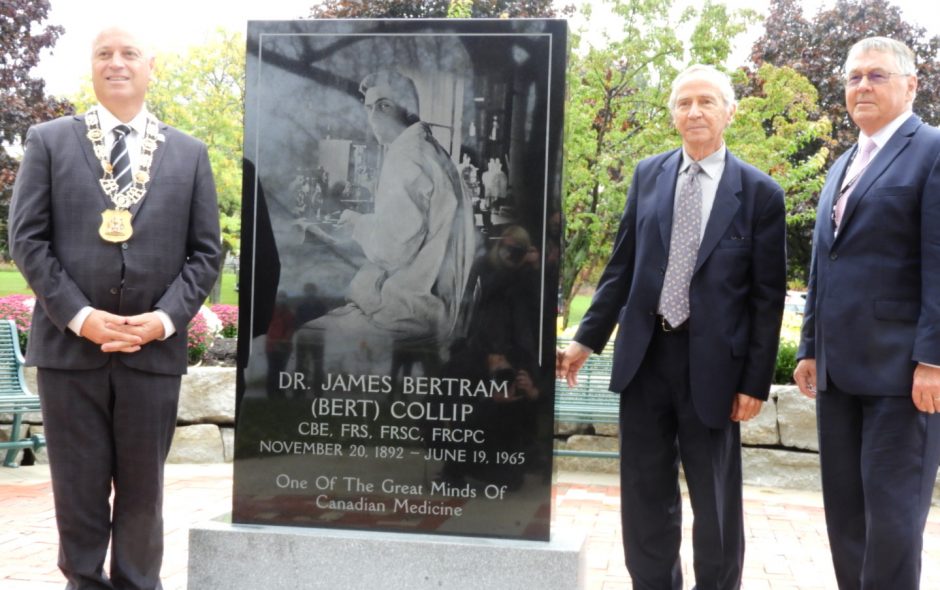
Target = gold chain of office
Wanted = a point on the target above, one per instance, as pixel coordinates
(148, 145)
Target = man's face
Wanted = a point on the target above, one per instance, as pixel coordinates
(386, 118)
(120, 70)
(875, 93)
(701, 116)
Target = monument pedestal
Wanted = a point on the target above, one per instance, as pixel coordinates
(224, 556)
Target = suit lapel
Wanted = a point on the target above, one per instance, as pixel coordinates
(723, 209)
(666, 195)
(88, 151)
(829, 194)
(876, 168)
(154, 168)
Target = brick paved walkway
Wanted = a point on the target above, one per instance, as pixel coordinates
(786, 539)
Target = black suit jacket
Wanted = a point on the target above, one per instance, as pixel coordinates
(873, 304)
(170, 262)
(737, 291)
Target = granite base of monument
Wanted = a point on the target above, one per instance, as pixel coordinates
(248, 557)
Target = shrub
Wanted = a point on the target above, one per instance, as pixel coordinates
(786, 361)
(19, 308)
(228, 315)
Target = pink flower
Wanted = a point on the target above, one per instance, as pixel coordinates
(228, 315)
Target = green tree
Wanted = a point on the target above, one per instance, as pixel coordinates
(201, 91)
(23, 101)
(781, 129)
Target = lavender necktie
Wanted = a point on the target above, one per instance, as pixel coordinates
(856, 169)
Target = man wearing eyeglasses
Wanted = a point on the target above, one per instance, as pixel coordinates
(870, 345)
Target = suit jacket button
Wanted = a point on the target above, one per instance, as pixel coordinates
(114, 291)
(833, 256)
(123, 245)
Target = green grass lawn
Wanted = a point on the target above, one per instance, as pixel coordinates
(12, 282)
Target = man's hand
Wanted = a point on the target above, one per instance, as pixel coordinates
(926, 392)
(570, 360)
(146, 326)
(805, 377)
(109, 331)
(745, 407)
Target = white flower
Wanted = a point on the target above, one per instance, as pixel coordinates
(212, 321)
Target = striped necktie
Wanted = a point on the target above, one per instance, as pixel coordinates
(120, 158)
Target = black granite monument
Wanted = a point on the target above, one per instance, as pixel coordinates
(401, 237)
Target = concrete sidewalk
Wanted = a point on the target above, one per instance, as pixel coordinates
(786, 536)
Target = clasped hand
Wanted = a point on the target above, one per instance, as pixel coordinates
(115, 333)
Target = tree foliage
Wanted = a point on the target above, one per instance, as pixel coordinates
(617, 115)
(432, 8)
(817, 49)
(781, 129)
(23, 101)
(201, 92)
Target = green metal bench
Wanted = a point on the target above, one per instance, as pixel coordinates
(588, 402)
(15, 397)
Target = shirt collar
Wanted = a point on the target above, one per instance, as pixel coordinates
(882, 136)
(108, 121)
(711, 164)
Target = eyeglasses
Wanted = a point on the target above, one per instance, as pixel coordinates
(875, 78)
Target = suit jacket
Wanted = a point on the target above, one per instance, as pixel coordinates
(169, 263)
(873, 303)
(736, 295)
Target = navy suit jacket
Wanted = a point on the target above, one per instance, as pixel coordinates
(170, 262)
(873, 304)
(737, 292)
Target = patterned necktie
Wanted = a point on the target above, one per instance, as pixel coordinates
(683, 249)
(120, 159)
(859, 163)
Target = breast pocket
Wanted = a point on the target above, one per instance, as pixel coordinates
(735, 242)
(899, 192)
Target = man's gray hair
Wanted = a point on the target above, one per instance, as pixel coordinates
(903, 56)
(708, 73)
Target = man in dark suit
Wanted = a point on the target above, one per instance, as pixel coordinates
(118, 236)
(695, 284)
(871, 332)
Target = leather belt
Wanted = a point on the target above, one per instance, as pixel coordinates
(667, 328)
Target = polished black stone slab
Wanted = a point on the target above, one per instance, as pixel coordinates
(399, 272)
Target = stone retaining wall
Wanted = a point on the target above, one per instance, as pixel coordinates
(780, 444)
(205, 431)
(781, 447)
